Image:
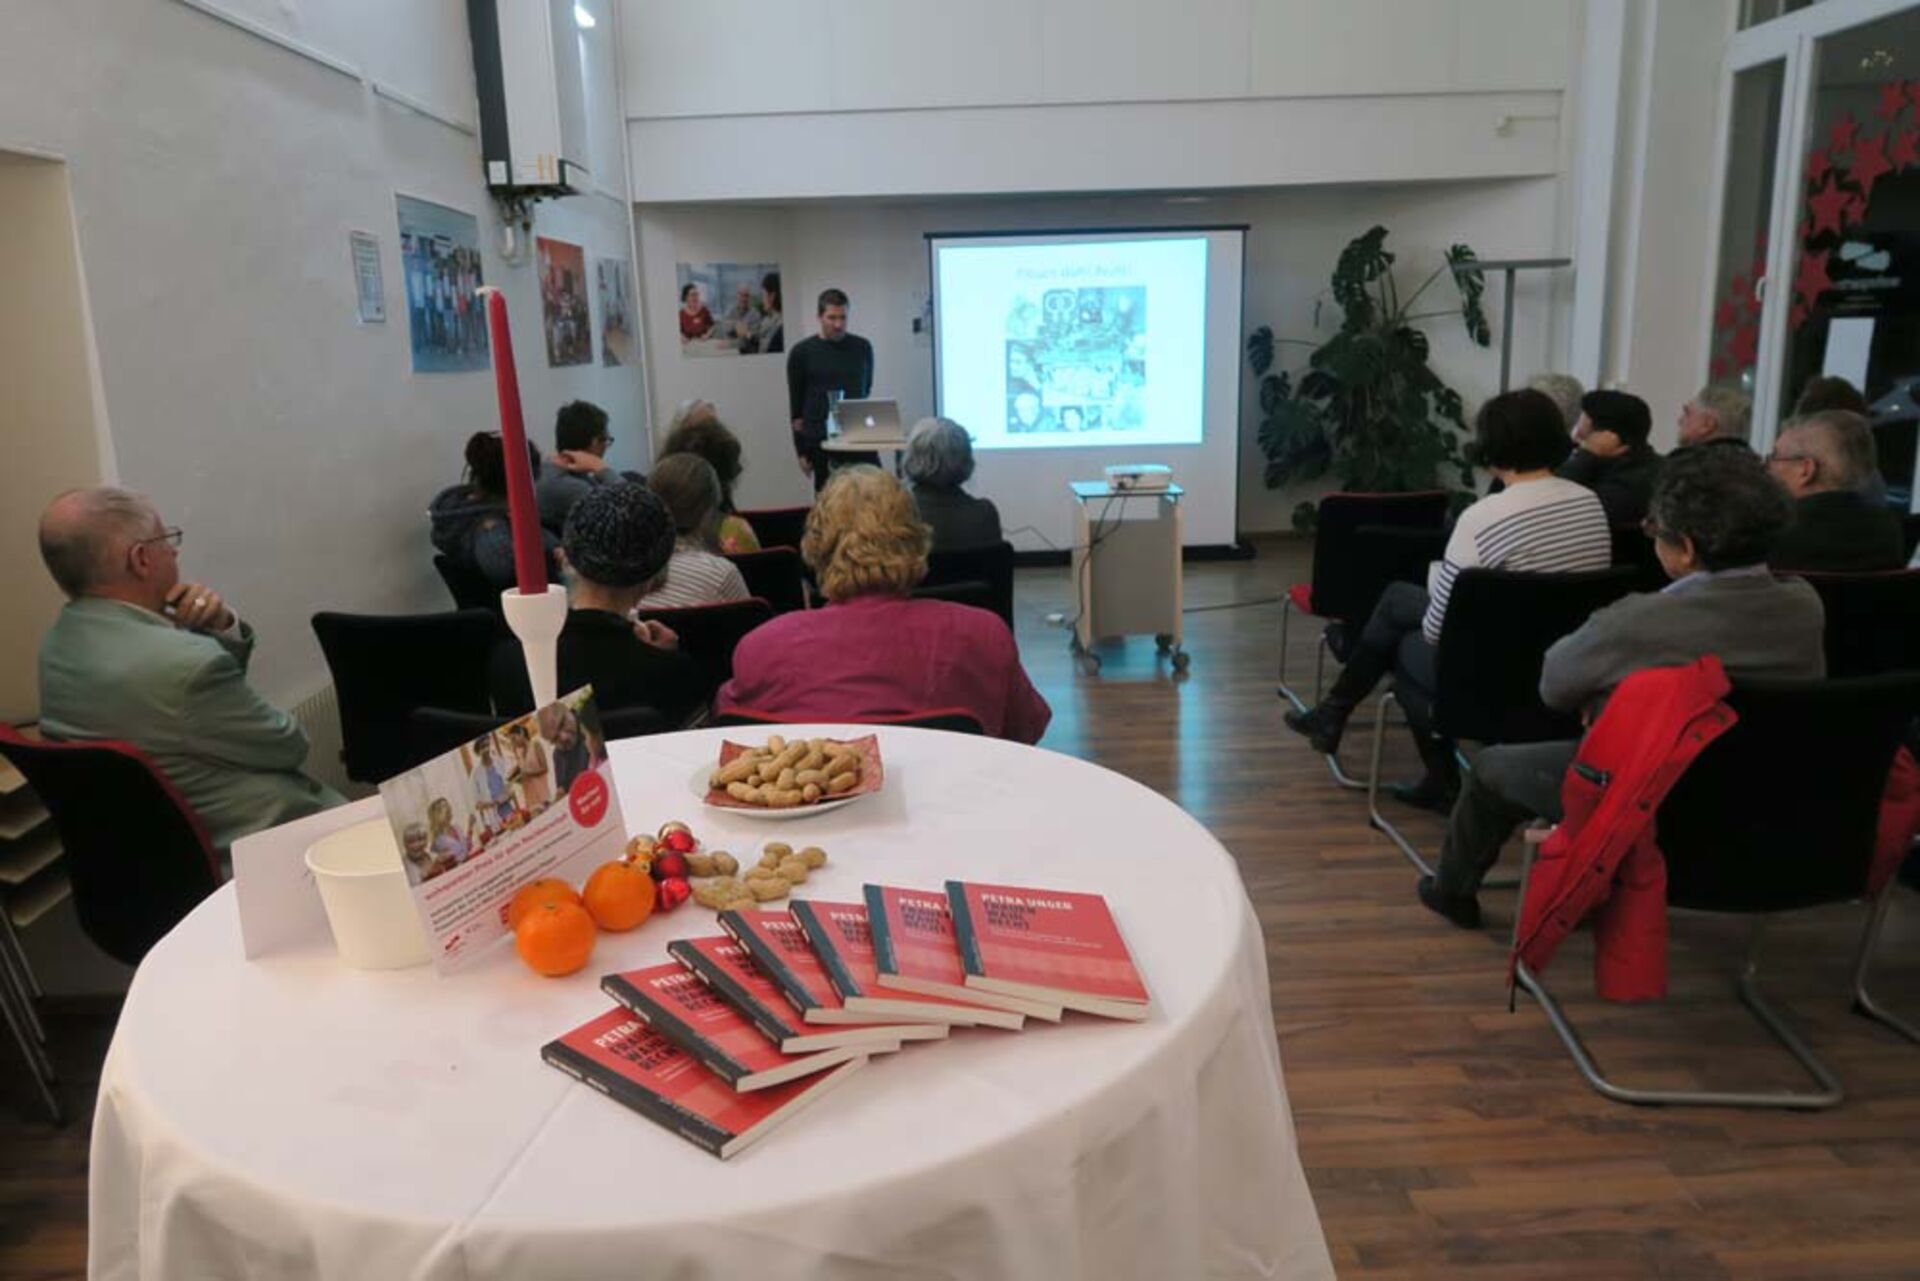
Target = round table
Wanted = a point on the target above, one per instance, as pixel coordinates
(291, 1118)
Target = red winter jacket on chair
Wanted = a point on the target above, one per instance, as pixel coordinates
(1603, 856)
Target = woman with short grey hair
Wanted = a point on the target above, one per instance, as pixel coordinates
(939, 461)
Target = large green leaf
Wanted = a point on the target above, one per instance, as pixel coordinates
(1260, 349)
(1473, 286)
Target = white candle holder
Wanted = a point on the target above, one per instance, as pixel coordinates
(536, 620)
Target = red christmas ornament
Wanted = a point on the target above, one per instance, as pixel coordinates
(680, 841)
(674, 891)
(669, 865)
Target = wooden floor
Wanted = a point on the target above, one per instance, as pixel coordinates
(1442, 1135)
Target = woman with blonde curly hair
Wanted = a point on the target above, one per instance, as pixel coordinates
(875, 650)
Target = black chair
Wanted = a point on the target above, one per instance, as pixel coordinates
(711, 632)
(774, 574)
(385, 666)
(435, 731)
(952, 719)
(136, 857)
(1498, 628)
(1362, 543)
(1873, 621)
(980, 576)
(777, 526)
(1632, 546)
(1777, 814)
(1910, 531)
(469, 589)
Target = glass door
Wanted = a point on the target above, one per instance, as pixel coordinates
(1746, 213)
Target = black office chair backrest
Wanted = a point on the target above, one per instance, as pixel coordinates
(1632, 546)
(1873, 621)
(1498, 627)
(980, 576)
(1347, 580)
(435, 731)
(952, 719)
(1781, 811)
(468, 587)
(1910, 532)
(777, 526)
(136, 854)
(774, 574)
(385, 666)
(711, 632)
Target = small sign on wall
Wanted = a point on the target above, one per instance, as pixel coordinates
(369, 284)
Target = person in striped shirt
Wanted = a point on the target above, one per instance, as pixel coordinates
(697, 574)
(1538, 523)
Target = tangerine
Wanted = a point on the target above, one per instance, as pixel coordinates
(555, 938)
(619, 895)
(549, 889)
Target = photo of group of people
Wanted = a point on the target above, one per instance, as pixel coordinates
(730, 309)
(1077, 360)
(449, 810)
(563, 302)
(440, 259)
(616, 311)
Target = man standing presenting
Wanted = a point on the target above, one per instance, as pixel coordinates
(139, 655)
(835, 360)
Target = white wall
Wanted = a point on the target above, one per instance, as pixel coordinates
(875, 250)
(215, 177)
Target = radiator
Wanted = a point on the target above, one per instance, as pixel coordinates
(318, 714)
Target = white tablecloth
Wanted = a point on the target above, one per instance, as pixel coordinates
(288, 1117)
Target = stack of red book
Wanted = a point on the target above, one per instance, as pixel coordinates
(744, 1029)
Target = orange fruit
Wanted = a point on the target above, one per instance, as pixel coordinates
(619, 895)
(555, 938)
(549, 889)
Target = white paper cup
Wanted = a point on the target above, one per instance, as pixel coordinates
(369, 904)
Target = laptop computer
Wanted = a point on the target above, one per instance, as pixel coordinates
(855, 422)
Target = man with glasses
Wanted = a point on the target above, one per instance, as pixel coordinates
(1825, 461)
(142, 656)
(580, 444)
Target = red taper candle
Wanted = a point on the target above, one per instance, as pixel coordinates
(529, 551)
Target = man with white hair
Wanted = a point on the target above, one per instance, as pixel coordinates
(141, 656)
(1824, 460)
(1716, 416)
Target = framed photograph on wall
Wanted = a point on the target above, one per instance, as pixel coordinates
(440, 260)
(615, 278)
(730, 309)
(563, 302)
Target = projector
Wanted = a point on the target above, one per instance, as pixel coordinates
(1139, 476)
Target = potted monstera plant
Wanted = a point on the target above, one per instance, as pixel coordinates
(1368, 409)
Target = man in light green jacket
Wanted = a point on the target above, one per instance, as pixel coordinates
(141, 656)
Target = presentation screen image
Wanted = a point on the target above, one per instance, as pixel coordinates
(1073, 344)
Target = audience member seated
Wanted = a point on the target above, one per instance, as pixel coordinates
(696, 429)
(579, 462)
(1829, 392)
(618, 541)
(1714, 519)
(1612, 456)
(1565, 391)
(1822, 460)
(874, 650)
(141, 656)
(1716, 416)
(698, 574)
(939, 461)
(470, 522)
(1537, 523)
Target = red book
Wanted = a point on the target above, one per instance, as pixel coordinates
(779, 946)
(726, 967)
(843, 941)
(1047, 945)
(914, 951)
(628, 1061)
(677, 1005)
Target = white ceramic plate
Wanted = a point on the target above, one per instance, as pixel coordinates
(700, 789)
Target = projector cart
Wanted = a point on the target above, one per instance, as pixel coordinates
(1126, 568)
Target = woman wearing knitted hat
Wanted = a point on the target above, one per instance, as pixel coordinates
(616, 547)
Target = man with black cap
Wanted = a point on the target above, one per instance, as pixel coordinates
(1612, 457)
(616, 547)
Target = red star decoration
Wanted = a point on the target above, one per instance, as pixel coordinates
(1829, 205)
(1738, 287)
(1806, 232)
(1843, 130)
(1819, 164)
(1856, 212)
(1870, 162)
(1812, 279)
(1798, 316)
(1719, 368)
(1913, 93)
(1723, 316)
(1904, 150)
(1745, 347)
(1893, 98)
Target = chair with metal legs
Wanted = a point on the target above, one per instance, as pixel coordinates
(1779, 813)
(1362, 542)
(1497, 631)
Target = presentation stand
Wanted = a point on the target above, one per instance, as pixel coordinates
(1126, 567)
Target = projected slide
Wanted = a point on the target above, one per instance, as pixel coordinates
(1073, 344)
